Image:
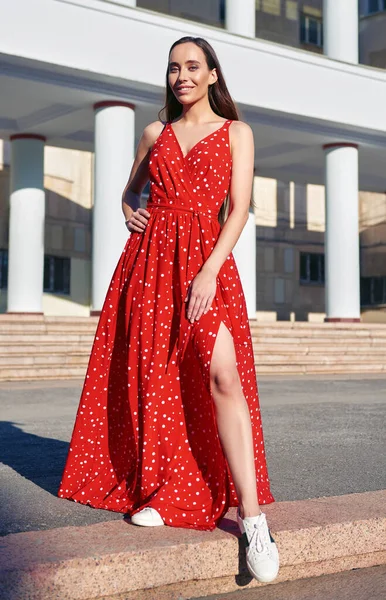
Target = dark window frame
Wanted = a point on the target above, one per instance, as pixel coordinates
(305, 36)
(373, 7)
(373, 291)
(57, 275)
(308, 263)
(3, 269)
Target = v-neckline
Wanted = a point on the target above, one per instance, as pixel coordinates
(199, 142)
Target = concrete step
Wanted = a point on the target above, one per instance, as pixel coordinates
(317, 359)
(78, 371)
(36, 347)
(39, 338)
(44, 348)
(328, 334)
(267, 344)
(63, 338)
(34, 373)
(63, 347)
(309, 369)
(347, 585)
(259, 333)
(264, 359)
(118, 560)
(314, 348)
(287, 325)
(57, 328)
(40, 359)
(16, 317)
(318, 341)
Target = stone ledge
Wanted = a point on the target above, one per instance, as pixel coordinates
(117, 560)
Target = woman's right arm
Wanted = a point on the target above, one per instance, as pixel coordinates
(135, 216)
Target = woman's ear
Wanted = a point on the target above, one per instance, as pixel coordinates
(214, 77)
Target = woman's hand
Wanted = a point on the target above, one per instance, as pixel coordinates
(138, 220)
(200, 294)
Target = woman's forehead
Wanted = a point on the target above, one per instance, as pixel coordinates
(187, 52)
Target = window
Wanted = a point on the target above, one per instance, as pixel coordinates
(373, 291)
(222, 9)
(3, 269)
(311, 268)
(374, 6)
(311, 30)
(57, 275)
(212, 12)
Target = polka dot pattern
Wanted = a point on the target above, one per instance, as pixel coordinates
(145, 431)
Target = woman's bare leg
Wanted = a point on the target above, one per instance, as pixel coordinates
(233, 421)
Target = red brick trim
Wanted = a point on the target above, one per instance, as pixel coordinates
(95, 313)
(340, 145)
(108, 103)
(340, 320)
(27, 136)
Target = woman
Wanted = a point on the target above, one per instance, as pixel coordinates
(168, 427)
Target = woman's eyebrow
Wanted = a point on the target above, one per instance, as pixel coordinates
(176, 64)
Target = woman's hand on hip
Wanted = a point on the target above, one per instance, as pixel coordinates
(138, 220)
(200, 295)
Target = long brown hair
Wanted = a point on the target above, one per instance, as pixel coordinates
(220, 100)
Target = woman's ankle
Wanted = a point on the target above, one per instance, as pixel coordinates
(249, 511)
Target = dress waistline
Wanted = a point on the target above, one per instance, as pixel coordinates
(195, 212)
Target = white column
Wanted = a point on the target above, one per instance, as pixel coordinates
(26, 225)
(114, 155)
(240, 17)
(342, 271)
(245, 256)
(340, 29)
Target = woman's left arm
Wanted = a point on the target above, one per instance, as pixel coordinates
(203, 287)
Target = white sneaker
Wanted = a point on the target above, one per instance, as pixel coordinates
(148, 517)
(262, 553)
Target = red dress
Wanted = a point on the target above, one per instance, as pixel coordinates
(145, 432)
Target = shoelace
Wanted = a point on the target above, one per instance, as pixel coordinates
(258, 540)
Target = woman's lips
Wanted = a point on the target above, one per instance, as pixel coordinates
(183, 90)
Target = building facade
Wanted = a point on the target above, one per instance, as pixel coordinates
(316, 241)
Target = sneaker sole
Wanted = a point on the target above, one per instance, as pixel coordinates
(258, 577)
(139, 519)
(146, 523)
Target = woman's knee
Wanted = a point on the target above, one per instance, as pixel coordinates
(225, 379)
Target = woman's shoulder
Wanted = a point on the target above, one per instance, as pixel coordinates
(240, 134)
(240, 127)
(152, 131)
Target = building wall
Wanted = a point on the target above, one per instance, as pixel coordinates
(372, 40)
(276, 20)
(68, 187)
(290, 220)
(279, 21)
(373, 248)
(290, 217)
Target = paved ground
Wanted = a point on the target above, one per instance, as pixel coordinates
(358, 584)
(323, 437)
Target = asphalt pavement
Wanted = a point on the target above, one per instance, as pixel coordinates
(323, 437)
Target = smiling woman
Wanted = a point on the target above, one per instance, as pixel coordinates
(169, 428)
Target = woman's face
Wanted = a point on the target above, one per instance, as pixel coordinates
(188, 73)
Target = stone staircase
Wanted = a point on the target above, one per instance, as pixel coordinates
(34, 347)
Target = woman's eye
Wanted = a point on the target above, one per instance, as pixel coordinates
(193, 67)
